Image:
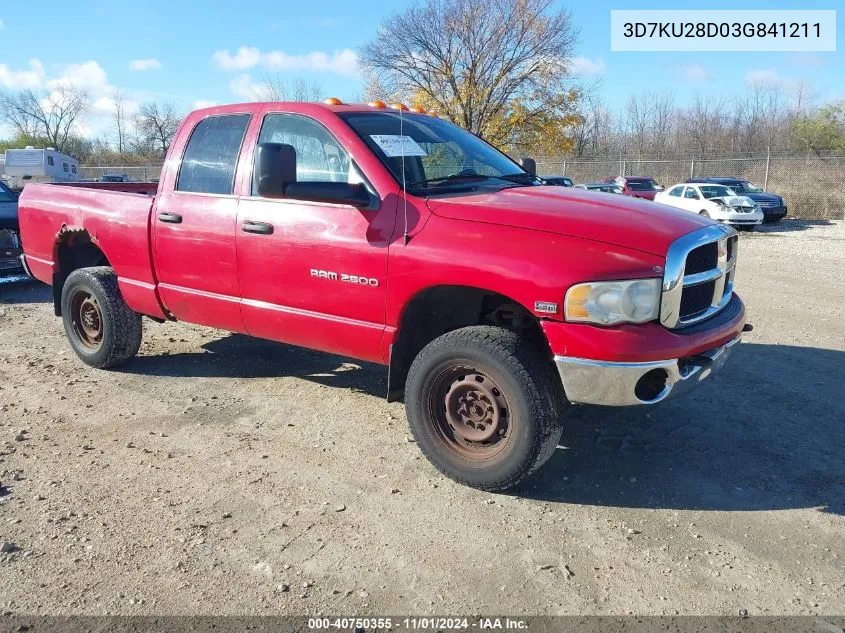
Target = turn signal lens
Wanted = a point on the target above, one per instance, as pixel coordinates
(576, 301)
(611, 302)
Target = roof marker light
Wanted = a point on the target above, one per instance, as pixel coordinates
(378, 103)
(399, 106)
(332, 101)
(418, 109)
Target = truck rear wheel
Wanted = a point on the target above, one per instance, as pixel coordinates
(102, 329)
(485, 406)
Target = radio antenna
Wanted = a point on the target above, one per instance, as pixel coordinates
(404, 188)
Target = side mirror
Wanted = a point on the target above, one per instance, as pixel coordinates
(275, 169)
(332, 192)
(529, 165)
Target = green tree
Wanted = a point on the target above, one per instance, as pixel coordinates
(823, 130)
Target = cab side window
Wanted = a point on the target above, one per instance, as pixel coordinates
(319, 155)
(676, 192)
(211, 156)
(691, 194)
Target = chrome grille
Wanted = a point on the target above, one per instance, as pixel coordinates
(698, 278)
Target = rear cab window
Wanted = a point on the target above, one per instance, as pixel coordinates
(211, 155)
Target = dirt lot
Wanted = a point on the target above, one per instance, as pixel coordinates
(219, 474)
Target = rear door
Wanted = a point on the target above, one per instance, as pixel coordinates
(195, 223)
(314, 274)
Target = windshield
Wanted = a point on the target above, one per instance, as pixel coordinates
(643, 185)
(715, 191)
(439, 157)
(743, 186)
(6, 194)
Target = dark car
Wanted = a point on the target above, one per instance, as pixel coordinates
(10, 237)
(773, 206)
(604, 187)
(559, 181)
(637, 186)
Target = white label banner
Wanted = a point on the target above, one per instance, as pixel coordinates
(395, 145)
(723, 30)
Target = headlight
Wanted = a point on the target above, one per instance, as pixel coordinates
(610, 302)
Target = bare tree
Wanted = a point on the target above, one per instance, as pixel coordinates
(492, 66)
(702, 123)
(156, 125)
(272, 87)
(119, 104)
(52, 115)
(639, 115)
(663, 122)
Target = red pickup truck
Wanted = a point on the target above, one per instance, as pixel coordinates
(396, 237)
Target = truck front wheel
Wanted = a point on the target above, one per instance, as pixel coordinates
(102, 329)
(485, 406)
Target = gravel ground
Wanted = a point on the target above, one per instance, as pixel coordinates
(221, 474)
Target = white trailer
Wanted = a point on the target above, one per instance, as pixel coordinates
(44, 165)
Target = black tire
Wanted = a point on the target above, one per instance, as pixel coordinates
(102, 329)
(704, 213)
(526, 389)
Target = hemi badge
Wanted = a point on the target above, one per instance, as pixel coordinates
(546, 307)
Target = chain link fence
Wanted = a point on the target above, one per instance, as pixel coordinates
(813, 187)
(136, 173)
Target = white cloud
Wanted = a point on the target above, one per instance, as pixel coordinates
(696, 73)
(86, 75)
(760, 77)
(343, 62)
(202, 103)
(150, 63)
(22, 79)
(244, 87)
(587, 66)
(106, 106)
(89, 76)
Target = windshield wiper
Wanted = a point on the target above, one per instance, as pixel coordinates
(523, 178)
(514, 178)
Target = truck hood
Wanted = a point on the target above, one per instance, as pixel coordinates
(620, 220)
(763, 197)
(8, 215)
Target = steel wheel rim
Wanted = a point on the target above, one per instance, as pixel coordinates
(87, 319)
(469, 412)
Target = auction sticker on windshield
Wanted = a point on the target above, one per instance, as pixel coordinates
(395, 145)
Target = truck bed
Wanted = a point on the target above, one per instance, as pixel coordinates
(116, 222)
(146, 188)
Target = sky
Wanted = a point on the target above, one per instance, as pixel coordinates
(200, 53)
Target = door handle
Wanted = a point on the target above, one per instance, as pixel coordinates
(262, 228)
(172, 218)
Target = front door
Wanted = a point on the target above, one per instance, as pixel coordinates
(194, 226)
(314, 274)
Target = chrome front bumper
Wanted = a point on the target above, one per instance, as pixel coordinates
(621, 384)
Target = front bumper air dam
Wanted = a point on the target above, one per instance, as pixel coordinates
(621, 384)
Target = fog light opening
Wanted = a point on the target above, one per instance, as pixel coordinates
(651, 385)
